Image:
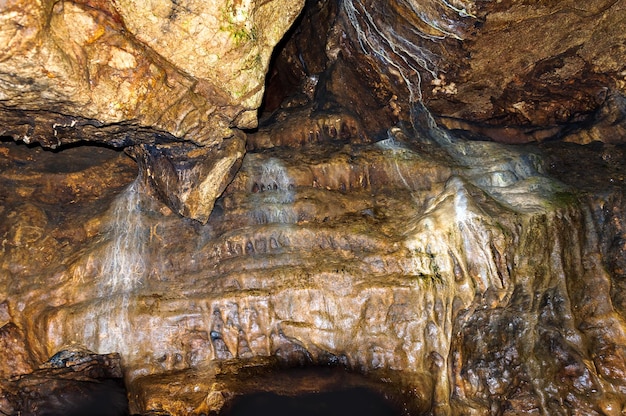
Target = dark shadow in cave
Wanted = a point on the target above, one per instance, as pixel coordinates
(73, 157)
(322, 88)
(300, 54)
(87, 398)
(281, 84)
(318, 390)
(352, 401)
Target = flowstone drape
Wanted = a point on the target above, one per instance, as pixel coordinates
(370, 224)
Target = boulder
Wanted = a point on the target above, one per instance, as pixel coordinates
(126, 73)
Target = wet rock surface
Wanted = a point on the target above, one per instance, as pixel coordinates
(457, 275)
(459, 272)
(186, 69)
(161, 73)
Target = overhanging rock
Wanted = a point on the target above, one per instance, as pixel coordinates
(125, 73)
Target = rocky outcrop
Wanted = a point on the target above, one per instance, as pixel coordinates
(192, 71)
(457, 271)
(71, 382)
(504, 71)
(348, 230)
(124, 74)
(188, 178)
(153, 74)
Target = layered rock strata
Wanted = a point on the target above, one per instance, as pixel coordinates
(157, 73)
(457, 271)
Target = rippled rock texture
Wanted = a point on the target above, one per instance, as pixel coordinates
(458, 271)
(347, 230)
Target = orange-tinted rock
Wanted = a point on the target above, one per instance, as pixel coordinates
(126, 73)
(17, 358)
(186, 69)
(353, 234)
(189, 178)
(457, 271)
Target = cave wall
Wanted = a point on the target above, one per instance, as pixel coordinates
(195, 73)
(370, 222)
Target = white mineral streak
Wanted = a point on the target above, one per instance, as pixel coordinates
(379, 38)
(506, 174)
(275, 287)
(122, 268)
(123, 271)
(275, 195)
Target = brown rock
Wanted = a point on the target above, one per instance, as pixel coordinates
(17, 358)
(355, 233)
(433, 271)
(505, 71)
(72, 382)
(125, 73)
(186, 69)
(189, 178)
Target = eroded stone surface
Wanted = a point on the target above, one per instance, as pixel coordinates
(457, 271)
(511, 71)
(158, 73)
(191, 69)
(152, 74)
(189, 178)
(508, 71)
(17, 356)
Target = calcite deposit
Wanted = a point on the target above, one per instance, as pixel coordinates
(458, 271)
(127, 73)
(163, 254)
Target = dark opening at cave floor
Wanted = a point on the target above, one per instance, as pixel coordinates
(315, 391)
(352, 401)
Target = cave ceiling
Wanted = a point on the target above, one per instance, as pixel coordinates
(181, 84)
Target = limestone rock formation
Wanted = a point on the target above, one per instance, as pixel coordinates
(155, 73)
(370, 223)
(126, 73)
(458, 271)
(188, 178)
(507, 71)
(190, 69)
